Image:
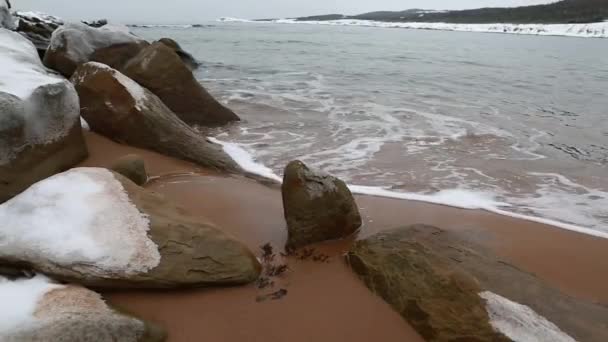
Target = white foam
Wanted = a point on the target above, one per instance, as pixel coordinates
(19, 300)
(591, 30)
(457, 198)
(519, 322)
(80, 218)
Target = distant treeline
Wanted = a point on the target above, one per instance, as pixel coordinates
(565, 11)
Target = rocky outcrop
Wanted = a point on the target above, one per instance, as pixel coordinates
(40, 132)
(317, 206)
(133, 167)
(97, 228)
(38, 28)
(438, 300)
(43, 311)
(117, 107)
(6, 19)
(75, 44)
(186, 57)
(96, 23)
(159, 69)
(582, 320)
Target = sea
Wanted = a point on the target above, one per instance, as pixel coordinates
(513, 124)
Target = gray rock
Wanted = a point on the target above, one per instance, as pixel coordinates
(317, 206)
(6, 19)
(186, 57)
(38, 28)
(133, 167)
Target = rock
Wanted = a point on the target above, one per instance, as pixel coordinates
(75, 44)
(96, 23)
(317, 206)
(40, 133)
(97, 228)
(6, 19)
(38, 28)
(583, 320)
(42, 310)
(438, 300)
(115, 106)
(133, 167)
(186, 57)
(159, 69)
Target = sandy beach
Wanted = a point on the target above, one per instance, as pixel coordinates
(325, 301)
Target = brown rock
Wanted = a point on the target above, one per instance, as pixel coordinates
(317, 206)
(117, 107)
(440, 301)
(117, 55)
(133, 167)
(186, 57)
(159, 69)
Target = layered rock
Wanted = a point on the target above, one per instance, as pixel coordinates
(133, 167)
(317, 206)
(38, 28)
(99, 229)
(75, 44)
(186, 57)
(38, 310)
(159, 69)
(117, 107)
(441, 302)
(6, 19)
(40, 133)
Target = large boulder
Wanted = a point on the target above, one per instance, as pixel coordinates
(117, 107)
(97, 228)
(159, 69)
(76, 43)
(317, 206)
(186, 57)
(441, 302)
(6, 19)
(40, 132)
(133, 167)
(38, 28)
(39, 310)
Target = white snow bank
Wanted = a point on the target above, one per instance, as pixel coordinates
(593, 30)
(81, 40)
(79, 219)
(457, 198)
(19, 300)
(84, 124)
(519, 322)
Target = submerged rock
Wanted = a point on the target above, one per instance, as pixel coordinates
(317, 206)
(186, 57)
(38, 28)
(441, 302)
(133, 167)
(75, 44)
(159, 69)
(117, 107)
(41, 310)
(40, 133)
(96, 23)
(97, 228)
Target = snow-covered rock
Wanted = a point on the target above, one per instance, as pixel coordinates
(97, 228)
(75, 44)
(38, 28)
(38, 310)
(6, 19)
(39, 131)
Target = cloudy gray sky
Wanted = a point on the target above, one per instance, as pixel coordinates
(192, 11)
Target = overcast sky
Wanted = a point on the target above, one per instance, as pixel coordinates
(193, 11)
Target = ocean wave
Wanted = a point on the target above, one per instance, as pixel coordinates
(591, 30)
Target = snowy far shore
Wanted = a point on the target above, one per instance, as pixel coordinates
(591, 30)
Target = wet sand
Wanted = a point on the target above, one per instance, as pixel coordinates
(325, 301)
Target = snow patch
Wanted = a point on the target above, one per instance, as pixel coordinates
(245, 160)
(79, 219)
(19, 300)
(592, 30)
(519, 322)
